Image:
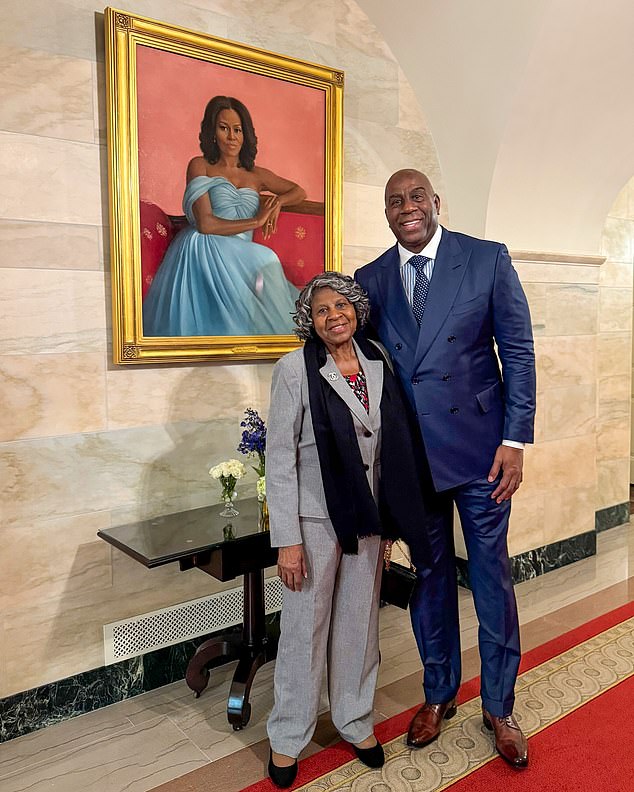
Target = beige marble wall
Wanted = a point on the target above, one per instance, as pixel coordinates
(614, 394)
(582, 318)
(84, 444)
(558, 496)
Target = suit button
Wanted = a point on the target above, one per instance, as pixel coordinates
(415, 381)
(398, 346)
(446, 377)
(367, 433)
(454, 410)
(451, 339)
(366, 467)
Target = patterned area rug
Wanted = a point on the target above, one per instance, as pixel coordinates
(557, 679)
(544, 695)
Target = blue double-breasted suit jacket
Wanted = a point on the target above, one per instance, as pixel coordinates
(465, 402)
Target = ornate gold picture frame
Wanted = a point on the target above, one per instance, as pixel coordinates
(181, 293)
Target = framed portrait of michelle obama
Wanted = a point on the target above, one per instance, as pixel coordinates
(225, 178)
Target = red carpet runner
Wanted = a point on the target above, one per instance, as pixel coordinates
(575, 696)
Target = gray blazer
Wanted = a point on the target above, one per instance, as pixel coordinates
(294, 487)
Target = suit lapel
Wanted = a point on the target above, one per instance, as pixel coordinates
(449, 270)
(395, 305)
(373, 370)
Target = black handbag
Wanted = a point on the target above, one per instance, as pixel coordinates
(397, 581)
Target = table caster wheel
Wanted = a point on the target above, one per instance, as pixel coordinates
(245, 717)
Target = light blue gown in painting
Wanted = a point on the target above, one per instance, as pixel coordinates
(209, 284)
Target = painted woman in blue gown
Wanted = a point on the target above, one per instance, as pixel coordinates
(214, 280)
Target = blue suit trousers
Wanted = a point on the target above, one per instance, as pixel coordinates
(434, 603)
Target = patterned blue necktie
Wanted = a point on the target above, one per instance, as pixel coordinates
(421, 286)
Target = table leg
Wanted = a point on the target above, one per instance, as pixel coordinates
(257, 648)
(197, 674)
(252, 649)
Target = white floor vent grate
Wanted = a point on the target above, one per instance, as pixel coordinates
(169, 626)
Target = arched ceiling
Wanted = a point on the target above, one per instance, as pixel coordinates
(531, 107)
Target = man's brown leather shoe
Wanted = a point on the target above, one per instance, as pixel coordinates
(425, 725)
(509, 740)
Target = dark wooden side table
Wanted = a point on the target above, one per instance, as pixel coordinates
(224, 548)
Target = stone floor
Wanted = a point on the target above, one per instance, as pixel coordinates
(138, 744)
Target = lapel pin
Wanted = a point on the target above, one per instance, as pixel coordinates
(332, 376)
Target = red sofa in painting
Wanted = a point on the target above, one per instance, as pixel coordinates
(299, 241)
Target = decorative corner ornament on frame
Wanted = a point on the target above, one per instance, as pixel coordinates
(225, 179)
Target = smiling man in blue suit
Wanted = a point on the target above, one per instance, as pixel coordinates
(441, 303)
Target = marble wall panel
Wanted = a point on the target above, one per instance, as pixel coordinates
(540, 421)
(77, 474)
(613, 354)
(555, 272)
(371, 86)
(560, 464)
(46, 94)
(292, 45)
(536, 295)
(355, 32)
(374, 151)
(613, 438)
(50, 246)
(184, 394)
(617, 273)
(63, 635)
(99, 102)
(52, 636)
(568, 512)
(613, 482)
(527, 524)
(356, 256)
(571, 309)
(616, 388)
(45, 179)
(66, 27)
(364, 218)
(52, 311)
(292, 19)
(618, 241)
(3, 661)
(410, 113)
(43, 395)
(80, 563)
(615, 310)
(190, 15)
(568, 411)
(565, 361)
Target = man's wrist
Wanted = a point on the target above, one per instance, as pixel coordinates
(513, 444)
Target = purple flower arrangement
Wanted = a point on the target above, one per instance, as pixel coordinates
(253, 441)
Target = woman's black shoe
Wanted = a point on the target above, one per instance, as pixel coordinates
(372, 757)
(283, 777)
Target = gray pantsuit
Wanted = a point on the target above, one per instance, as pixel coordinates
(334, 619)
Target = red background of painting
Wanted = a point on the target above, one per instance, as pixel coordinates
(172, 92)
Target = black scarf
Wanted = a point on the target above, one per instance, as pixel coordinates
(351, 507)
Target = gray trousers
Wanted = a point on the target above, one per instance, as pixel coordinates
(334, 619)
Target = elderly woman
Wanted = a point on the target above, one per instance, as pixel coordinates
(336, 483)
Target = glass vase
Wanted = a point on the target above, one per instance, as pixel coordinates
(263, 515)
(228, 496)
